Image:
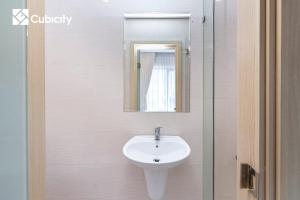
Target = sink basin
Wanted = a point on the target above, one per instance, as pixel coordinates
(146, 152)
(156, 157)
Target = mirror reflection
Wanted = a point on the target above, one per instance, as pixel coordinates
(157, 87)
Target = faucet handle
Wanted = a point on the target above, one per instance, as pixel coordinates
(158, 128)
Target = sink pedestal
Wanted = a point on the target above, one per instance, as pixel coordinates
(156, 158)
(156, 180)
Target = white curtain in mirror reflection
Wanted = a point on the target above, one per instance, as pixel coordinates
(157, 85)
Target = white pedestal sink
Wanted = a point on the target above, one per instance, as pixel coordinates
(156, 157)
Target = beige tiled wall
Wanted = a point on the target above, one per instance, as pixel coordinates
(85, 122)
(225, 100)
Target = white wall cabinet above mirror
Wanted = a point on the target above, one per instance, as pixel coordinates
(157, 62)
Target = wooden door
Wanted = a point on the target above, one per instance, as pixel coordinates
(251, 94)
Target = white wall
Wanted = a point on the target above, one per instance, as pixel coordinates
(225, 99)
(85, 122)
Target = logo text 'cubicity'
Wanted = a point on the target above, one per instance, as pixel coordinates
(21, 17)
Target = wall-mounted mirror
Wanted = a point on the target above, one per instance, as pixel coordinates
(157, 64)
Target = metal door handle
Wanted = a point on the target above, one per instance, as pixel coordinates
(250, 179)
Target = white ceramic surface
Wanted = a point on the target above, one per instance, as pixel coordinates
(156, 157)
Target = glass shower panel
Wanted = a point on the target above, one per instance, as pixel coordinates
(208, 103)
(13, 138)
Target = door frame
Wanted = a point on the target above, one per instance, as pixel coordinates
(273, 99)
(272, 43)
(274, 95)
(36, 104)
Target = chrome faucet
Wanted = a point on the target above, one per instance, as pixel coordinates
(157, 133)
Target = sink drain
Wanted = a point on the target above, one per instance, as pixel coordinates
(156, 160)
